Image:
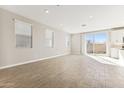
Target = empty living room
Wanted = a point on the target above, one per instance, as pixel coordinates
(61, 46)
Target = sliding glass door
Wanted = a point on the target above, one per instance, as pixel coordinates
(89, 43)
(96, 43)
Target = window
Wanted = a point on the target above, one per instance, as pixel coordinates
(49, 37)
(23, 33)
(96, 42)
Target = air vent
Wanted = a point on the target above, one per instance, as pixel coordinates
(83, 25)
(117, 28)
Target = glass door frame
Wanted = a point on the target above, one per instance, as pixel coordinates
(94, 33)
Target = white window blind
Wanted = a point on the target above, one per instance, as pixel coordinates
(49, 38)
(23, 33)
(67, 41)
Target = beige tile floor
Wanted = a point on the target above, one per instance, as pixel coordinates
(71, 71)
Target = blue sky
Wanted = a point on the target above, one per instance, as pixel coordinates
(99, 37)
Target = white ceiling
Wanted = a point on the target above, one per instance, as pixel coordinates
(71, 17)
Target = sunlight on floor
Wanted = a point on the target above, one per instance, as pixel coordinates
(105, 59)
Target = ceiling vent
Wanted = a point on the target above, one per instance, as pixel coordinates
(118, 28)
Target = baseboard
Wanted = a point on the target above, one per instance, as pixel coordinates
(31, 61)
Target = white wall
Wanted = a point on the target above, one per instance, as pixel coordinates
(10, 55)
(116, 38)
(76, 43)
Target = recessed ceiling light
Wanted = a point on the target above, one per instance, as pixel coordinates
(46, 11)
(90, 16)
(61, 24)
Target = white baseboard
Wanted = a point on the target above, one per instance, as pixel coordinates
(31, 61)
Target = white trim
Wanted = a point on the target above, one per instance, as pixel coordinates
(31, 61)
